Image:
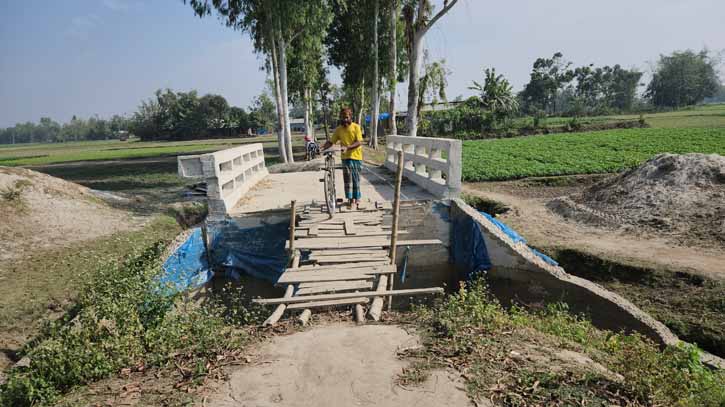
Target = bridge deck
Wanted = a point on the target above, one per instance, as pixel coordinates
(276, 191)
(330, 276)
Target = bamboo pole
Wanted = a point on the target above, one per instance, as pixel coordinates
(396, 216)
(292, 225)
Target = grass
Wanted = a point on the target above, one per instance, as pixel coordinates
(581, 153)
(50, 279)
(519, 358)
(121, 320)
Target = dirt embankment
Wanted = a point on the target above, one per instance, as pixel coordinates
(38, 211)
(681, 197)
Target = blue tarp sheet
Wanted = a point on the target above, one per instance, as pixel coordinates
(187, 267)
(381, 116)
(468, 247)
(256, 251)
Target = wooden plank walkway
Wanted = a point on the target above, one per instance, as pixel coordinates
(347, 262)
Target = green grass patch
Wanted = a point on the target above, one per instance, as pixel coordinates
(514, 357)
(581, 153)
(121, 319)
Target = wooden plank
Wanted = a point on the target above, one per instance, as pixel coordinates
(359, 314)
(356, 274)
(349, 227)
(335, 234)
(346, 296)
(313, 231)
(349, 258)
(332, 303)
(361, 284)
(332, 252)
(337, 267)
(336, 287)
(365, 241)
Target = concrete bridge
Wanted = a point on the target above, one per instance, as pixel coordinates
(347, 261)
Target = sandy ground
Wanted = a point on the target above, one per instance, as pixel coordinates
(336, 365)
(51, 212)
(542, 228)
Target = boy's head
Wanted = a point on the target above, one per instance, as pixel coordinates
(346, 116)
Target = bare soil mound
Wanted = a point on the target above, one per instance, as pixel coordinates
(40, 211)
(682, 196)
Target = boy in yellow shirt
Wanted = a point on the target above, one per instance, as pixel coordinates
(349, 135)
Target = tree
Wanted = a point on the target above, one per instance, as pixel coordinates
(433, 83)
(548, 76)
(496, 96)
(375, 94)
(393, 55)
(683, 78)
(417, 15)
(262, 113)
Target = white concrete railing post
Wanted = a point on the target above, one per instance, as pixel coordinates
(229, 174)
(432, 163)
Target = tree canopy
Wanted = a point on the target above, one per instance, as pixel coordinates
(683, 78)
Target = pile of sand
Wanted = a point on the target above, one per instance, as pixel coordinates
(38, 211)
(682, 196)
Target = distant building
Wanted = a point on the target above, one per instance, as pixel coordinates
(122, 135)
(298, 125)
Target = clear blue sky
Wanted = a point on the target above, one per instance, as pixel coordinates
(85, 57)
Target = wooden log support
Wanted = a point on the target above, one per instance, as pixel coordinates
(304, 317)
(376, 308)
(289, 291)
(333, 287)
(340, 275)
(396, 219)
(277, 314)
(338, 267)
(359, 314)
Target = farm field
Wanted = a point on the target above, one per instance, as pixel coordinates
(53, 153)
(694, 117)
(581, 153)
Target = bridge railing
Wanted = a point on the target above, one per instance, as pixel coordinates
(229, 174)
(432, 163)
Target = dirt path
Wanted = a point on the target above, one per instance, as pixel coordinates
(543, 229)
(337, 365)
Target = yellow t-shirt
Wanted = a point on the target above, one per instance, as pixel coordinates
(347, 135)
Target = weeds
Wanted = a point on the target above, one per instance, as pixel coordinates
(121, 320)
(510, 356)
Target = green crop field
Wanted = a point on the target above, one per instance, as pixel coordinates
(581, 153)
(52, 153)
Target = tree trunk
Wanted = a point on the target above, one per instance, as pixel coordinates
(413, 77)
(361, 114)
(393, 64)
(285, 98)
(306, 102)
(278, 102)
(376, 86)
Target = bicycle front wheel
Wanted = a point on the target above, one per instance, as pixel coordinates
(330, 195)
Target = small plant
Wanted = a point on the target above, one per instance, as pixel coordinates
(13, 194)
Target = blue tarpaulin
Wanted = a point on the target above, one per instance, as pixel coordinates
(516, 238)
(381, 116)
(256, 251)
(468, 247)
(187, 267)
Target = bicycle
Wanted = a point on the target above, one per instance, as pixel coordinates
(329, 181)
